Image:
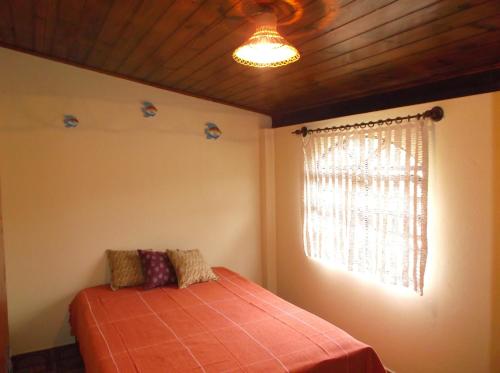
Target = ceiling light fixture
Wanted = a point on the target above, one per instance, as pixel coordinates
(266, 47)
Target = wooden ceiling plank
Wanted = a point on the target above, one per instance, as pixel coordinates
(417, 24)
(164, 32)
(376, 18)
(223, 64)
(68, 20)
(389, 25)
(45, 24)
(221, 50)
(117, 20)
(470, 67)
(148, 13)
(310, 21)
(207, 40)
(447, 17)
(347, 84)
(386, 75)
(455, 64)
(212, 14)
(488, 81)
(95, 13)
(439, 18)
(23, 15)
(7, 34)
(373, 46)
(485, 65)
(349, 16)
(380, 52)
(115, 75)
(419, 68)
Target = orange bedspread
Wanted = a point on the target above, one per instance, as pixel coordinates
(230, 325)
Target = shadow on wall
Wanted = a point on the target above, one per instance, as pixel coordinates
(57, 311)
(30, 329)
(100, 270)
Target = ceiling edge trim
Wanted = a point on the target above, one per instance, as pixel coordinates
(487, 81)
(121, 76)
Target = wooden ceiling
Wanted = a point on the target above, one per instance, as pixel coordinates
(351, 49)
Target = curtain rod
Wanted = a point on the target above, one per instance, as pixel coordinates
(436, 114)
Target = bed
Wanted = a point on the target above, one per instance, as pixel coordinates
(229, 325)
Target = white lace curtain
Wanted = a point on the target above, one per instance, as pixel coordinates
(365, 201)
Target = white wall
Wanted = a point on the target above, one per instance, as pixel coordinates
(118, 181)
(449, 328)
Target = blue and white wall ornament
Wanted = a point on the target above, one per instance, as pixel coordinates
(70, 121)
(148, 109)
(212, 131)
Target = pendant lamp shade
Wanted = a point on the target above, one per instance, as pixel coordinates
(266, 47)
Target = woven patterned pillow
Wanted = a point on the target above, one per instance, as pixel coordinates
(125, 267)
(190, 267)
(157, 269)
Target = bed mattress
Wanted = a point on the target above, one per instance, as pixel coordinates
(230, 325)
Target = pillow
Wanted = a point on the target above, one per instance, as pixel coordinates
(157, 269)
(125, 267)
(190, 267)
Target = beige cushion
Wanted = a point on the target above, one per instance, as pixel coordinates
(125, 267)
(190, 267)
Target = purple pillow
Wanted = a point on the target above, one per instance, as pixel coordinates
(157, 269)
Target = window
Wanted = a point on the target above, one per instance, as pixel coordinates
(365, 201)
